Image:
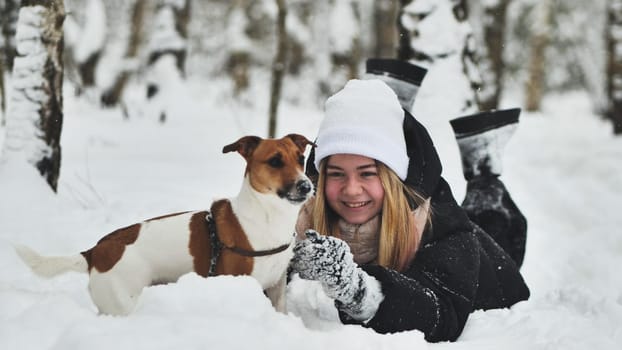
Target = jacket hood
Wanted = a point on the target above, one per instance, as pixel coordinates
(424, 165)
(424, 175)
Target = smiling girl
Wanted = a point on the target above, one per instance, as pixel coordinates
(384, 235)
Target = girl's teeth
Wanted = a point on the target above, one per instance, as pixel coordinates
(355, 205)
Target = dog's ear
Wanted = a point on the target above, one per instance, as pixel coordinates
(244, 146)
(300, 141)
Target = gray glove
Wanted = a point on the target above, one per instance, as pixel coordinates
(329, 261)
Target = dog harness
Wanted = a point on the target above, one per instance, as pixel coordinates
(218, 246)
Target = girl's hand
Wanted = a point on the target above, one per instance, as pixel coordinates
(329, 261)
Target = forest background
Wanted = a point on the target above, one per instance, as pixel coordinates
(303, 51)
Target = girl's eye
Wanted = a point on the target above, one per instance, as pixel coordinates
(369, 174)
(334, 174)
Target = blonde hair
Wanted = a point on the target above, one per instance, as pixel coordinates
(399, 238)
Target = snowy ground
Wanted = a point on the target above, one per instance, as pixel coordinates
(563, 168)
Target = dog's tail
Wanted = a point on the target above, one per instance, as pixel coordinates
(50, 266)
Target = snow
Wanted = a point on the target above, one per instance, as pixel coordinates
(26, 94)
(90, 38)
(562, 167)
(344, 27)
(164, 34)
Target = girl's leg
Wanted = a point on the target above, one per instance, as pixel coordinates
(481, 138)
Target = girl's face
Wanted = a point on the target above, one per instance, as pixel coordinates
(352, 188)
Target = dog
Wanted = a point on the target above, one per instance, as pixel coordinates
(250, 234)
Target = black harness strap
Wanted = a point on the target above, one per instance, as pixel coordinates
(217, 247)
(214, 243)
(255, 253)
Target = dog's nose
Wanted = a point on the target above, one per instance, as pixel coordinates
(303, 186)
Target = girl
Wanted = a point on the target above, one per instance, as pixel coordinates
(384, 235)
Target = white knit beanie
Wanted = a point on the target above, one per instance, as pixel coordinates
(364, 118)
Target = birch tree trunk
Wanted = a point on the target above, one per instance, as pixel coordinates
(614, 64)
(35, 115)
(278, 67)
(537, 63)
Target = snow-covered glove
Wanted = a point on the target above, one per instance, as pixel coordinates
(329, 261)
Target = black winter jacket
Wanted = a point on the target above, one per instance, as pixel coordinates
(458, 268)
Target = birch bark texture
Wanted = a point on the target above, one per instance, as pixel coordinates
(35, 111)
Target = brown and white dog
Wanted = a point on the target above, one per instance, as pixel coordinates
(250, 234)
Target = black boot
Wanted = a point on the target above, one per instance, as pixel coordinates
(481, 138)
(402, 77)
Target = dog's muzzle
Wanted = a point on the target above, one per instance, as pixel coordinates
(297, 192)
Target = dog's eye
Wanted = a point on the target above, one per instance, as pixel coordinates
(301, 160)
(420, 16)
(276, 162)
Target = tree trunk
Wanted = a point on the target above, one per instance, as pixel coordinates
(35, 116)
(9, 20)
(492, 65)
(468, 56)
(112, 96)
(385, 30)
(346, 50)
(537, 64)
(405, 51)
(614, 64)
(86, 56)
(87, 70)
(2, 95)
(278, 67)
(300, 14)
(239, 58)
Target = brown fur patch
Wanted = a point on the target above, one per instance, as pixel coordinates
(230, 234)
(109, 250)
(200, 247)
(266, 179)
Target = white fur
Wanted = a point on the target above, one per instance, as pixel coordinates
(269, 223)
(160, 253)
(272, 224)
(52, 265)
